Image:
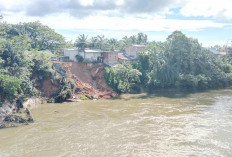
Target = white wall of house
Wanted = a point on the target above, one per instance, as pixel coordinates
(92, 56)
(133, 51)
(88, 55)
(71, 53)
(81, 54)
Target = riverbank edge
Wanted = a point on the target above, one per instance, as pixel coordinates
(18, 113)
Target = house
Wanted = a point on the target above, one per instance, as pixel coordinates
(110, 57)
(133, 51)
(91, 55)
(71, 53)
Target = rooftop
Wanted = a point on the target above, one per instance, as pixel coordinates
(213, 50)
(137, 45)
(93, 51)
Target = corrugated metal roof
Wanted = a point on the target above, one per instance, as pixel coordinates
(136, 45)
(214, 51)
(93, 51)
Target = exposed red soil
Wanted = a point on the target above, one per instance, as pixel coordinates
(89, 79)
(49, 89)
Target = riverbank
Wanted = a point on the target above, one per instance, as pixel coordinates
(88, 79)
(17, 113)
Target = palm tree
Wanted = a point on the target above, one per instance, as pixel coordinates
(81, 42)
(101, 42)
(93, 42)
(112, 44)
(133, 39)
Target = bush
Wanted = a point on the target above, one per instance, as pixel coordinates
(84, 97)
(79, 58)
(9, 87)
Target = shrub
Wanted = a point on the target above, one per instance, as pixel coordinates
(79, 58)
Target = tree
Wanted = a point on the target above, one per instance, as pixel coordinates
(113, 44)
(9, 87)
(41, 37)
(123, 78)
(141, 38)
(101, 42)
(81, 42)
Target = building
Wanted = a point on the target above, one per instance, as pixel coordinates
(71, 53)
(133, 51)
(91, 55)
(110, 58)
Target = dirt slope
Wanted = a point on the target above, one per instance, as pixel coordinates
(89, 79)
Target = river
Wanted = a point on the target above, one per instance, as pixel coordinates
(170, 124)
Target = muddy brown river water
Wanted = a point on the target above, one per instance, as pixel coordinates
(169, 124)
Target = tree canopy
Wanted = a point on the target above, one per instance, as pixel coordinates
(179, 62)
(20, 59)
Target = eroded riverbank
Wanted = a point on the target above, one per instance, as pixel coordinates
(135, 125)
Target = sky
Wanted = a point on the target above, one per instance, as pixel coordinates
(210, 21)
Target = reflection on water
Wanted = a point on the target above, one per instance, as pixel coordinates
(197, 124)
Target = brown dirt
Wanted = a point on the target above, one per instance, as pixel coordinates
(49, 89)
(89, 79)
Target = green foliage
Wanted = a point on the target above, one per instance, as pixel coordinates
(39, 36)
(179, 62)
(20, 61)
(112, 44)
(84, 97)
(66, 90)
(79, 58)
(183, 63)
(81, 42)
(123, 78)
(9, 87)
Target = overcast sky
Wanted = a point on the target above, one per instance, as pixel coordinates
(208, 20)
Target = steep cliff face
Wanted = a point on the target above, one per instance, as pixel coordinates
(89, 79)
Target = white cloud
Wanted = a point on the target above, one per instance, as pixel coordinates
(119, 16)
(219, 9)
(156, 23)
(86, 2)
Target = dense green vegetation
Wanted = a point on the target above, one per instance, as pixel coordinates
(22, 62)
(179, 62)
(124, 78)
